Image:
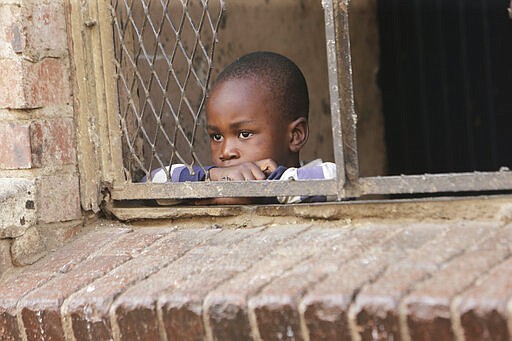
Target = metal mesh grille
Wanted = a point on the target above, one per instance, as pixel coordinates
(163, 54)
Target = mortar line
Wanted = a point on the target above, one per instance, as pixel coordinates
(509, 315)
(253, 321)
(455, 319)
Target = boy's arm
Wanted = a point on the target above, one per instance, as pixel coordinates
(178, 173)
(313, 171)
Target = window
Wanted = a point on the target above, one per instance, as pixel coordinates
(152, 71)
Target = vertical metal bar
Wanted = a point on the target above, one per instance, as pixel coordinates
(334, 93)
(491, 107)
(348, 114)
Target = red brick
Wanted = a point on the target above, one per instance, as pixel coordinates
(89, 309)
(136, 309)
(46, 28)
(40, 309)
(181, 307)
(12, 38)
(428, 307)
(52, 142)
(11, 83)
(37, 143)
(15, 141)
(17, 284)
(29, 85)
(37, 29)
(9, 327)
(376, 308)
(58, 198)
(46, 83)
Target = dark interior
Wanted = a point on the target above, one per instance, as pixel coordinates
(446, 80)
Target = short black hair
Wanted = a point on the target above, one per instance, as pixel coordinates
(282, 77)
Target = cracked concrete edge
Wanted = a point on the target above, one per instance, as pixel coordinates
(38, 240)
(5, 256)
(18, 203)
(485, 207)
(28, 248)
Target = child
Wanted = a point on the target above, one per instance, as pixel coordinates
(257, 120)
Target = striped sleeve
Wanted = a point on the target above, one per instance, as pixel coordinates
(314, 171)
(178, 173)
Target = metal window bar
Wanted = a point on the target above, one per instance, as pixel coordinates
(136, 105)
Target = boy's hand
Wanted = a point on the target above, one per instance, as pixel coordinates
(258, 170)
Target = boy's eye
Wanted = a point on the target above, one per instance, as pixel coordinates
(245, 134)
(216, 137)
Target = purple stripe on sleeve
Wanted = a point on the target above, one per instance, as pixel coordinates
(175, 176)
(310, 173)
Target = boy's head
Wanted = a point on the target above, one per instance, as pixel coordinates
(258, 109)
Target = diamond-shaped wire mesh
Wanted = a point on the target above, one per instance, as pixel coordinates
(163, 54)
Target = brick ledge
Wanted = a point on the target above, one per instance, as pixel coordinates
(414, 281)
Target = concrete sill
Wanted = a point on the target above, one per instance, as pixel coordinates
(440, 208)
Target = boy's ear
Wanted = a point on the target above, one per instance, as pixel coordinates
(298, 134)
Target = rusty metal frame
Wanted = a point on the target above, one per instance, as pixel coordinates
(100, 154)
(404, 184)
(123, 189)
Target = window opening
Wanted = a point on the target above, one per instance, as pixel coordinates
(163, 62)
(445, 78)
(164, 56)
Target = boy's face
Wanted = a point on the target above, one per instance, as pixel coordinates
(244, 126)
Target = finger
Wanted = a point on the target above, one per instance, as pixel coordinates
(248, 173)
(255, 173)
(267, 166)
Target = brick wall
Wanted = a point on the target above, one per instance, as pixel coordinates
(37, 131)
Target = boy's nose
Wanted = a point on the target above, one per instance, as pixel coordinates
(229, 152)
